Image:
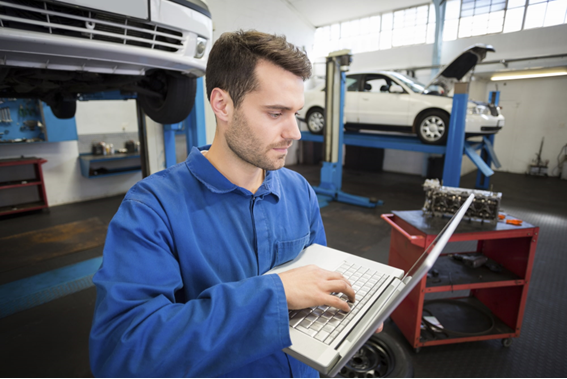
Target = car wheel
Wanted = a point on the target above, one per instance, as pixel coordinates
(432, 128)
(63, 108)
(315, 120)
(177, 100)
(380, 357)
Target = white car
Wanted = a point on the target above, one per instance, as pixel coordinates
(391, 101)
(57, 50)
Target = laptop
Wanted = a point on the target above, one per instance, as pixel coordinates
(326, 338)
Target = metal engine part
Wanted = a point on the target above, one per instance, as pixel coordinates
(446, 201)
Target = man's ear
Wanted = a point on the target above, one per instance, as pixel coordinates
(222, 105)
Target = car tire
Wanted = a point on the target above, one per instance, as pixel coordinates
(380, 357)
(432, 127)
(315, 120)
(63, 109)
(178, 98)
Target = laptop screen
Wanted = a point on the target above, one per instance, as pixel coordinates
(412, 271)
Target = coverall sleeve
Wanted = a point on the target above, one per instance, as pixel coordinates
(139, 330)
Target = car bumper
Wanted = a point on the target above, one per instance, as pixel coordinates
(23, 48)
(484, 124)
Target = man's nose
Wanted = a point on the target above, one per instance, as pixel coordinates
(291, 130)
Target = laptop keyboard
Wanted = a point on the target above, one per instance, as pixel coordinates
(324, 323)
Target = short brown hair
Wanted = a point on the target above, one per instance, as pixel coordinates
(234, 57)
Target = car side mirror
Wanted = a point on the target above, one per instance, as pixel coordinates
(394, 88)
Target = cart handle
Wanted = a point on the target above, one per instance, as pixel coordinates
(415, 240)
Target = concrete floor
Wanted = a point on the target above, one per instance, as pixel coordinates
(51, 340)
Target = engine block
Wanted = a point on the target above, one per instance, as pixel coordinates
(446, 201)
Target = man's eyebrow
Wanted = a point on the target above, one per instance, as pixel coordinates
(279, 107)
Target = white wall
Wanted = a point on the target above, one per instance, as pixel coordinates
(534, 109)
(62, 174)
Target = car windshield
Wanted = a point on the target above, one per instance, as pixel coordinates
(413, 84)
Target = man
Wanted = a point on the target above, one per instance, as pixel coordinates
(181, 291)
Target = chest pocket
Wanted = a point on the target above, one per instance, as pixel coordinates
(288, 250)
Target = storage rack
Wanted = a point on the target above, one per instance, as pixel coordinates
(500, 295)
(11, 182)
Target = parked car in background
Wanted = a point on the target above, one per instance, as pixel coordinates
(391, 101)
(57, 50)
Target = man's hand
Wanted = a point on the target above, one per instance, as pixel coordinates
(311, 286)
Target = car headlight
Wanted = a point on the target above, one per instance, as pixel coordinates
(201, 47)
(478, 109)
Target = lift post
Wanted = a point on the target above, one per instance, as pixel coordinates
(194, 126)
(487, 154)
(331, 172)
(456, 136)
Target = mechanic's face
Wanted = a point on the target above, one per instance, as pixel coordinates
(264, 126)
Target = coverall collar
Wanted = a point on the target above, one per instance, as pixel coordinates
(216, 182)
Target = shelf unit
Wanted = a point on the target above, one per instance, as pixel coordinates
(96, 166)
(500, 296)
(21, 185)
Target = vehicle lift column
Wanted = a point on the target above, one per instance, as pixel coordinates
(194, 126)
(331, 172)
(487, 154)
(456, 143)
(456, 136)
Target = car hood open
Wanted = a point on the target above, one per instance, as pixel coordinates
(460, 66)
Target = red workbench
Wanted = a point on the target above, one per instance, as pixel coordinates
(497, 296)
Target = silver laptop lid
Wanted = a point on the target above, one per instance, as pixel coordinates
(407, 283)
(442, 235)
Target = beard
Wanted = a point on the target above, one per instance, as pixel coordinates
(247, 146)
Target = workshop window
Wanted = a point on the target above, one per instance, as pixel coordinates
(416, 25)
(410, 26)
(514, 16)
(451, 24)
(480, 17)
(541, 13)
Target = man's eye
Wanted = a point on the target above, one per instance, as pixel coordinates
(275, 115)
(296, 114)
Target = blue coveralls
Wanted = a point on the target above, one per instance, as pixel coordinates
(181, 292)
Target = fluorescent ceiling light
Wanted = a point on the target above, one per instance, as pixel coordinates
(529, 74)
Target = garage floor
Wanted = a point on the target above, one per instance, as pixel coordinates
(50, 340)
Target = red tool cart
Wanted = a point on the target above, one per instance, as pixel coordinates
(471, 304)
(21, 185)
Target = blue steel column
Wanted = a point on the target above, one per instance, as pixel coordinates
(439, 26)
(169, 131)
(195, 126)
(482, 181)
(331, 171)
(456, 136)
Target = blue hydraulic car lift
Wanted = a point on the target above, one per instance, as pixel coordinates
(331, 172)
(193, 126)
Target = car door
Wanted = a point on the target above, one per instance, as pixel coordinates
(380, 104)
(352, 98)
